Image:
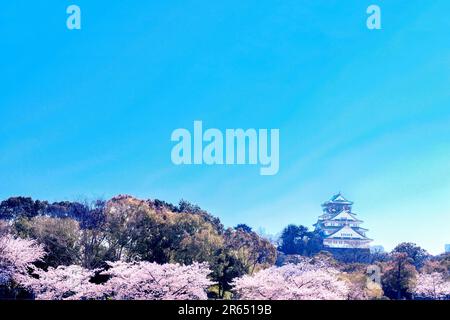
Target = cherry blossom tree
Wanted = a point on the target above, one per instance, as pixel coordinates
(432, 286)
(16, 258)
(303, 281)
(152, 281)
(64, 283)
(127, 281)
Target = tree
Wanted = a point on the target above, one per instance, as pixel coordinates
(132, 231)
(398, 277)
(59, 237)
(303, 281)
(17, 257)
(440, 264)
(187, 207)
(225, 269)
(432, 286)
(243, 227)
(89, 214)
(17, 207)
(5, 228)
(135, 231)
(94, 252)
(126, 281)
(254, 251)
(414, 252)
(63, 283)
(364, 282)
(352, 255)
(199, 241)
(298, 240)
(378, 255)
(151, 281)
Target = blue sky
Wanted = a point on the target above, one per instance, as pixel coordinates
(89, 113)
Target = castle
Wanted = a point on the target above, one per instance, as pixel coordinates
(339, 226)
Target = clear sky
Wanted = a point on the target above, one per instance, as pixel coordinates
(89, 113)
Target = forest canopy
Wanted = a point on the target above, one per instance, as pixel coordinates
(127, 248)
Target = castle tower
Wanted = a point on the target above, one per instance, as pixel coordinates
(339, 226)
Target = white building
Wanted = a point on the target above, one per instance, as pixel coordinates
(340, 227)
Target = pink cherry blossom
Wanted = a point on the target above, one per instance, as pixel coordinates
(302, 281)
(64, 283)
(16, 257)
(432, 286)
(152, 281)
(128, 281)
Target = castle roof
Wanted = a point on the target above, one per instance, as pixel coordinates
(346, 232)
(345, 215)
(337, 199)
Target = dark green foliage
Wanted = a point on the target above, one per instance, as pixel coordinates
(351, 255)
(226, 267)
(243, 227)
(398, 276)
(299, 240)
(17, 207)
(417, 255)
(187, 207)
(60, 238)
(89, 215)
